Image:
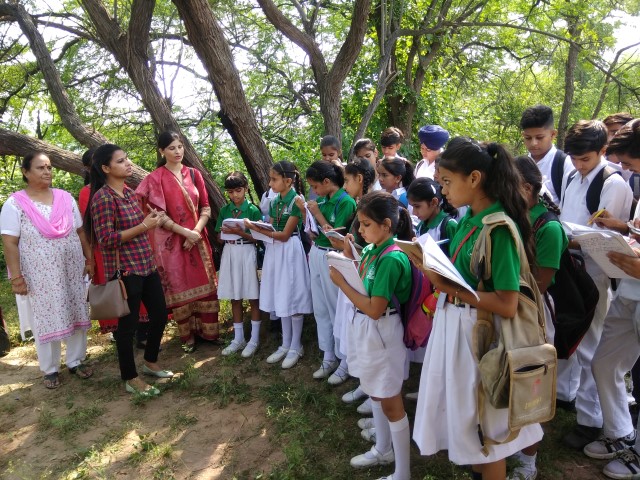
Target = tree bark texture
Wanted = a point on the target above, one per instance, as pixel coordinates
(12, 143)
(210, 44)
(130, 51)
(569, 77)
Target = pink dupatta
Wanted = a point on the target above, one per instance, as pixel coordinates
(61, 220)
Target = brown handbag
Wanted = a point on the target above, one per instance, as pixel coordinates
(108, 300)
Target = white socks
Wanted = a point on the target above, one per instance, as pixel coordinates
(255, 331)
(286, 332)
(401, 447)
(238, 330)
(296, 333)
(381, 424)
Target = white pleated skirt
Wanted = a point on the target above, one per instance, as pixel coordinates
(446, 414)
(285, 287)
(345, 310)
(238, 276)
(376, 354)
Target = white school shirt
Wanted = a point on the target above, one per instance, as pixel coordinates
(616, 197)
(425, 169)
(545, 164)
(630, 287)
(265, 202)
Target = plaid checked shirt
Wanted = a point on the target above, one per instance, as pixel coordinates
(109, 209)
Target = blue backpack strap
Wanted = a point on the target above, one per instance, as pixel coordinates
(557, 171)
(595, 189)
(394, 299)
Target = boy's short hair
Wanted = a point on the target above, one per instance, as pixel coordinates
(585, 136)
(619, 118)
(539, 116)
(391, 136)
(626, 141)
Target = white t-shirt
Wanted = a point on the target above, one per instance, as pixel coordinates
(425, 169)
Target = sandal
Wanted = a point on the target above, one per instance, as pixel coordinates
(52, 381)
(83, 371)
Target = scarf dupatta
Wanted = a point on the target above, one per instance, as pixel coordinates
(59, 223)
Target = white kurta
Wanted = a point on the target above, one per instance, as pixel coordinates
(53, 269)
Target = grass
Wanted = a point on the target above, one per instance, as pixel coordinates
(78, 419)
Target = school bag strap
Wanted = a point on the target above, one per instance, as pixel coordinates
(595, 188)
(557, 171)
(520, 372)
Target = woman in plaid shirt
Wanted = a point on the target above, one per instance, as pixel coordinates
(116, 223)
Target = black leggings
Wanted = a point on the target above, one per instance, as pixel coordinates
(147, 289)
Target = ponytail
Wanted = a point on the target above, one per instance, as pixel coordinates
(362, 166)
(321, 170)
(287, 169)
(399, 167)
(404, 230)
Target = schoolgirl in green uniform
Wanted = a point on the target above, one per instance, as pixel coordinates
(375, 351)
(238, 277)
(333, 208)
(285, 288)
(484, 177)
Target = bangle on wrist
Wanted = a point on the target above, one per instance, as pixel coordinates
(17, 277)
(145, 225)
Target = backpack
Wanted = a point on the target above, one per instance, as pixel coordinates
(416, 320)
(574, 295)
(519, 373)
(557, 171)
(595, 189)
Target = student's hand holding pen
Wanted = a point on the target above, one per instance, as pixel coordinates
(604, 219)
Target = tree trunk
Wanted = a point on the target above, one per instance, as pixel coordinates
(70, 118)
(569, 76)
(12, 143)
(130, 51)
(236, 114)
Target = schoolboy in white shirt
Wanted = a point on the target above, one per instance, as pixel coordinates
(432, 139)
(585, 143)
(538, 134)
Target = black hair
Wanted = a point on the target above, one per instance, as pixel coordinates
(27, 160)
(287, 169)
(380, 205)
(362, 166)
(164, 140)
(237, 180)
(585, 136)
(500, 179)
(391, 136)
(398, 166)
(620, 118)
(86, 162)
(425, 189)
(364, 143)
(333, 142)
(626, 141)
(321, 170)
(101, 157)
(539, 116)
(530, 174)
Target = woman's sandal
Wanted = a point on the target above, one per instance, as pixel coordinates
(82, 371)
(52, 381)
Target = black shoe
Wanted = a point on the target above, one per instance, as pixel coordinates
(633, 410)
(569, 406)
(581, 436)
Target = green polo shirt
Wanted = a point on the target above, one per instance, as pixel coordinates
(551, 240)
(505, 263)
(386, 276)
(338, 210)
(281, 208)
(246, 210)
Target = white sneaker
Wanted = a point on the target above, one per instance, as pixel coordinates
(325, 369)
(249, 350)
(292, 358)
(523, 473)
(364, 423)
(365, 408)
(278, 355)
(354, 395)
(373, 458)
(234, 347)
(338, 377)
(605, 448)
(626, 466)
(369, 434)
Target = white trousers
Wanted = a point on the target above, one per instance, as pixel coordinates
(49, 354)
(324, 295)
(575, 377)
(617, 352)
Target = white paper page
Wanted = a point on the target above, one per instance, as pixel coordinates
(231, 222)
(260, 235)
(354, 252)
(310, 224)
(435, 259)
(598, 244)
(348, 269)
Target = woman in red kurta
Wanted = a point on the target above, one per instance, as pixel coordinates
(181, 247)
